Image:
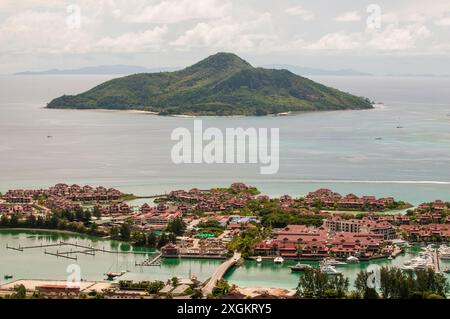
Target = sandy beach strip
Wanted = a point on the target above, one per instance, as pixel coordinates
(31, 284)
(256, 291)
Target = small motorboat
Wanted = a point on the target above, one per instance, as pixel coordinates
(300, 267)
(278, 260)
(352, 259)
(113, 275)
(447, 271)
(258, 259)
(8, 277)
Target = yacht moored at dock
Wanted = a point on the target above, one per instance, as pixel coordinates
(278, 260)
(333, 262)
(352, 259)
(300, 267)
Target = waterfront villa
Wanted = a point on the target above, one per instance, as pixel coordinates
(302, 242)
(426, 233)
(328, 199)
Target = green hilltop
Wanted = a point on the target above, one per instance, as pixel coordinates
(222, 84)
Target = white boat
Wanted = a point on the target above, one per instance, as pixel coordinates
(445, 256)
(258, 259)
(300, 267)
(424, 261)
(352, 259)
(332, 262)
(278, 260)
(444, 252)
(329, 270)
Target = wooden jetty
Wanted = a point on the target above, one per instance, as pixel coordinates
(14, 248)
(153, 261)
(59, 255)
(105, 250)
(86, 252)
(82, 249)
(21, 248)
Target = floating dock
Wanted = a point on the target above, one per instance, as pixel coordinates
(59, 255)
(155, 261)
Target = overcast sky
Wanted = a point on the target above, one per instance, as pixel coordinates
(401, 36)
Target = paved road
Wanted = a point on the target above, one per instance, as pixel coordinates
(219, 273)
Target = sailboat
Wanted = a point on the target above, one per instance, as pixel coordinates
(112, 275)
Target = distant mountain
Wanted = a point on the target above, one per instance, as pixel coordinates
(222, 84)
(313, 71)
(99, 70)
(426, 75)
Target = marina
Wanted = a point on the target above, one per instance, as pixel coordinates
(250, 274)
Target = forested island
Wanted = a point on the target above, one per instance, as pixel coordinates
(220, 85)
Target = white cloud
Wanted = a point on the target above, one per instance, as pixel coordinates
(337, 41)
(175, 11)
(301, 12)
(43, 32)
(148, 40)
(444, 22)
(390, 18)
(14, 5)
(351, 16)
(229, 34)
(36, 28)
(394, 38)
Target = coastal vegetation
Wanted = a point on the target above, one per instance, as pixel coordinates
(247, 240)
(176, 226)
(236, 191)
(210, 227)
(315, 284)
(20, 292)
(68, 220)
(78, 221)
(220, 85)
(152, 287)
(221, 289)
(393, 284)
